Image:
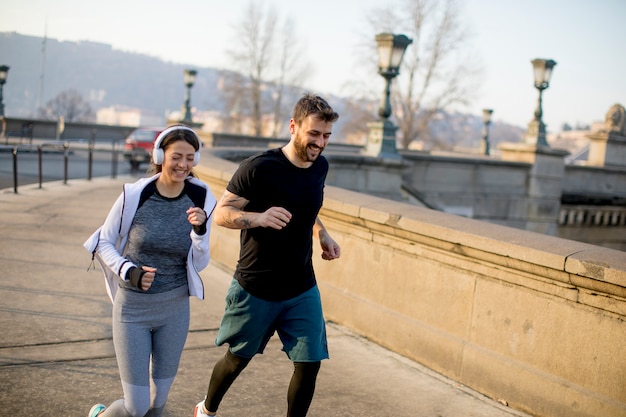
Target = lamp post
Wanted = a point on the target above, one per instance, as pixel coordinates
(4, 71)
(382, 134)
(536, 133)
(487, 121)
(190, 79)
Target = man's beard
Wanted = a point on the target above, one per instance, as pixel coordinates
(302, 146)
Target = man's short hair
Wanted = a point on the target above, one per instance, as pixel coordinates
(313, 104)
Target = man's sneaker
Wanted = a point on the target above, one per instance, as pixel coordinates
(96, 410)
(199, 410)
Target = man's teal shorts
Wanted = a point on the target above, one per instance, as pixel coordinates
(249, 322)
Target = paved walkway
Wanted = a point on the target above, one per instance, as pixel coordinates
(56, 354)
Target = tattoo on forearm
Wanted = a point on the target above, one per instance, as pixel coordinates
(244, 222)
(237, 220)
(228, 220)
(234, 217)
(232, 200)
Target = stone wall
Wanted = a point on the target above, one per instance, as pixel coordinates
(535, 320)
(595, 182)
(524, 194)
(47, 129)
(479, 187)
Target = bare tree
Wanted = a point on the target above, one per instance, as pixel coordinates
(438, 71)
(69, 104)
(271, 62)
(356, 114)
(290, 72)
(256, 33)
(232, 86)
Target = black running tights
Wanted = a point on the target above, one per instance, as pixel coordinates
(301, 387)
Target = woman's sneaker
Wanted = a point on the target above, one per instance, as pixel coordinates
(199, 410)
(96, 410)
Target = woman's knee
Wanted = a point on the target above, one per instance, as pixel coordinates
(136, 399)
(161, 391)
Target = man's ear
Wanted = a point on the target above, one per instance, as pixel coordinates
(292, 126)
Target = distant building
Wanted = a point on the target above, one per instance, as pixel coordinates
(127, 116)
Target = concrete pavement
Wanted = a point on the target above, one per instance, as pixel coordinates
(56, 353)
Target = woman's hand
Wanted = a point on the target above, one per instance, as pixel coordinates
(196, 216)
(147, 278)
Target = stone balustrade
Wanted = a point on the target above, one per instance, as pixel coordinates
(535, 320)
(593, 216)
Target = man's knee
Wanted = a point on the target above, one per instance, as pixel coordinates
(234, 362)
(307, 371)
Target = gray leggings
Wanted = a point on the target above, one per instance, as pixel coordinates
(149, 333)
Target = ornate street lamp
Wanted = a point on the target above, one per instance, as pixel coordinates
(382, 134)
(190, 79)
(4, 72)
(391, 50)
(487, 121)
(536, 133)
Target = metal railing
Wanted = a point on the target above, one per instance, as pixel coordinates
(67, 147)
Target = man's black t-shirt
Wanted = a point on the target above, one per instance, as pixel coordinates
(276, 264)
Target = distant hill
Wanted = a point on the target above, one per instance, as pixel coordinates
(106, 77)
(102, 75)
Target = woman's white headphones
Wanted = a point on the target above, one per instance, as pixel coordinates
(158, 156)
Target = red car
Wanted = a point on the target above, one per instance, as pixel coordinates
(138, 145)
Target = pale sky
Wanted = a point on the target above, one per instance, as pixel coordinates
(586, 38)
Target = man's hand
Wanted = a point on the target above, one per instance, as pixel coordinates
(229, 213)
(274, 217)
(330, 248)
